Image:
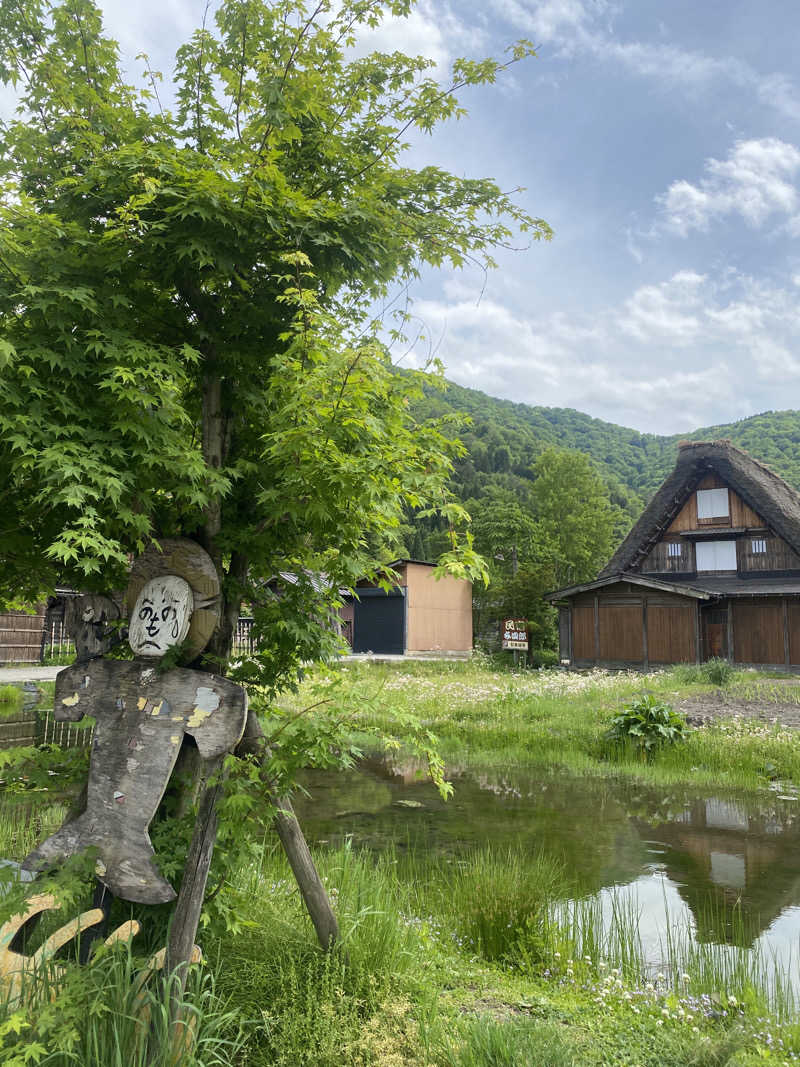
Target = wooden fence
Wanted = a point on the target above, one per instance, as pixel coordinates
(21, 636)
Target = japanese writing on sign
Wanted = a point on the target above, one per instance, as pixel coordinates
(515, 633)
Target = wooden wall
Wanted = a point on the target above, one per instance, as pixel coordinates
(439, 612)
(671, 632)
(740, 513)
(778, 556)
(624, 624)
(758, 631)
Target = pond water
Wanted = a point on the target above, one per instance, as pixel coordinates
(721, 870)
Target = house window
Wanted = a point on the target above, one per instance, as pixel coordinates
(712, 505)
(674, 549)
(758, 545)
(716, 556)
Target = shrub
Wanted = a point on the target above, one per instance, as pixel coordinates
(717, 671)
(647, 723)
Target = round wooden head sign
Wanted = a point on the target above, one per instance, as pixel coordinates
(172, 599)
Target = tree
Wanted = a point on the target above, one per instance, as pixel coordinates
(185, 296)
(186, 340)
(574, 513)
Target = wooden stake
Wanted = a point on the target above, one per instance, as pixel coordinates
(188, 906)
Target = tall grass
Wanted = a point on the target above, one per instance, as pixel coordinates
(105, 1015)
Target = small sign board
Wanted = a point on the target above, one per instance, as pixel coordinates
(515, 633)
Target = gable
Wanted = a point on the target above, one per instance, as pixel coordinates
(759, 501)
(740, 514)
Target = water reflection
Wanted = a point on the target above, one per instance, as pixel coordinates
(725, 868)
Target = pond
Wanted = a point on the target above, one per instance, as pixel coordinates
(718, 870)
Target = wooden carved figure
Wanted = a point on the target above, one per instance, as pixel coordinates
(141, 717)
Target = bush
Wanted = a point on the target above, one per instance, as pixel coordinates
(717, 671)
(647, 723)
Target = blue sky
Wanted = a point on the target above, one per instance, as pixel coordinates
(662, 144)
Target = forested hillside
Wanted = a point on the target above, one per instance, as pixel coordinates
(638, 461)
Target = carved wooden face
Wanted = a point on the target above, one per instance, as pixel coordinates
(161, 615)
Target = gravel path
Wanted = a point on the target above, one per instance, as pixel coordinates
(28, 674)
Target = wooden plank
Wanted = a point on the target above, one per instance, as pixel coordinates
(141, 718)
(759, 631)
(583, 633)
(186, 915)
(620, 632)
(645, 651)
(786, 658)
(730, 633)
(596, 628)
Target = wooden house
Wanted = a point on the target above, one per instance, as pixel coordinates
(418, 614)
(712, 568)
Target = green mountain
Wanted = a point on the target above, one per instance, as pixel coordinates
(507, 437)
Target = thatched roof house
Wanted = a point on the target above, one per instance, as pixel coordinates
(712, 568)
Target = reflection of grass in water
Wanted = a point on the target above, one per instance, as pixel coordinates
(23, 825)
(10, 697)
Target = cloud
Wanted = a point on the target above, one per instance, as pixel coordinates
(689, 351)
(432, 30)
(755, 182)
(584, 26)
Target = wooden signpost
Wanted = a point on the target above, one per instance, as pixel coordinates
(515, 636)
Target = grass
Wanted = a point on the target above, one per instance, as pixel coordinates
(559, 720)
(485, 957)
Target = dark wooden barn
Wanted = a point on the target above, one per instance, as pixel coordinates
(712, 568)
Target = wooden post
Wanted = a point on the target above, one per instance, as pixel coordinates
(596, 629)
(698, 632)
(786, 647)
(186, 915)
(291, 836)
(299, 855)
(730, 631)
(645, 657)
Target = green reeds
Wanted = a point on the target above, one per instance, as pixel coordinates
(106, 1014)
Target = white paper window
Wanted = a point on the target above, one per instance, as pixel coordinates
(674, 548)
(758, 545)
(716, 555)
(712, 504)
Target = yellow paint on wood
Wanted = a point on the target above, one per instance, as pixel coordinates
(198, 717)
(157, 708)
(141, 703)
(175, 739)
(70, 702)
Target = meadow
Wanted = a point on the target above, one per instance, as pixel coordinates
(493, 959)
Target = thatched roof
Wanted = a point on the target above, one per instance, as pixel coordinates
(760, 488)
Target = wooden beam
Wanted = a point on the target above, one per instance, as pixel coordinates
(698, 632)
(596, 628)
(570, 634)
(645, 657)
(186, 916)
(786, 655)
(730, 631)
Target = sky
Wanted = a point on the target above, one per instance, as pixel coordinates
(661, 141)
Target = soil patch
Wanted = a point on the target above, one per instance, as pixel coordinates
(704, 709)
